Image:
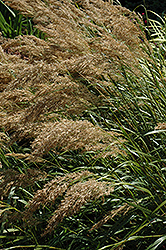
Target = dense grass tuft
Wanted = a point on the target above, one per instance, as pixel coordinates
(83, 124)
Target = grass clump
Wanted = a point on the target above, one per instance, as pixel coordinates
(83, 124)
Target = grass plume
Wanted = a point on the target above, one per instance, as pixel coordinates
(82, 118)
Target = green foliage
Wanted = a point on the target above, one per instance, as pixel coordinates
(137, 106)
(157, 29)
(13, 24)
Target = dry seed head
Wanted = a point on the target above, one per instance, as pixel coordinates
(43, 77)
(53, 189)
(121, 210)
(161, 126)
(76, 196)
(73, 135)
(77, 189)
(11, 178)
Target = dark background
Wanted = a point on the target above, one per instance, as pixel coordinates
(158, 6)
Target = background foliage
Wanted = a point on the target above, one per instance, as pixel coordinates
(154, 5)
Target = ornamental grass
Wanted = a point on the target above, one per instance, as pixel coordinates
(82, 119)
